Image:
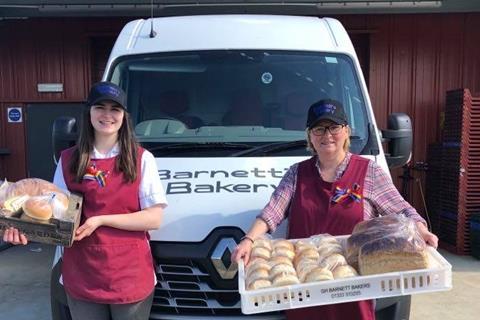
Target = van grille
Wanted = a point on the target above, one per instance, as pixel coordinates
(184, 287)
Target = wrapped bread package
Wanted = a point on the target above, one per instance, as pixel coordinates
(40, 210)
(386, 244)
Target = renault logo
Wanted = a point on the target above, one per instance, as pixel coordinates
(225, 246)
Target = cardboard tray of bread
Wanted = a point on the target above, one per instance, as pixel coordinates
(297, 273)
(40, 210)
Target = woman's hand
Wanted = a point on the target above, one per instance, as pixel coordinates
(429, 237)
(242, 251)
(88, 227)
(13, 236)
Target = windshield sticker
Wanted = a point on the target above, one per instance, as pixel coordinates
(267, 77)
(331, 60)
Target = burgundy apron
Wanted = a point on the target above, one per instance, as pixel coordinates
(313, 212)
(110, 266)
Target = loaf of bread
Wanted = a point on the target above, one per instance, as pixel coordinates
(391, 254)
(30, 187)
(386, 244)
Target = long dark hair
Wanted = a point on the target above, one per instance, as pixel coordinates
(126, 161)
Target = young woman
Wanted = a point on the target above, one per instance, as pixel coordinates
(108, 272)
(305, 193)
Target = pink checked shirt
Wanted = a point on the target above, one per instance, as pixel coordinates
(379, 194)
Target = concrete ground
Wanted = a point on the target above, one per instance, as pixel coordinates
(462, 302)
(25, 272)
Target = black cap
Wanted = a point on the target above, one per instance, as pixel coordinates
(103, 91)
(326, 110)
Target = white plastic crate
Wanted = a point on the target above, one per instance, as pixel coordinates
(436, 278)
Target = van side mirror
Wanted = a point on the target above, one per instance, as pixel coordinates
(64, 135)
(399, 139)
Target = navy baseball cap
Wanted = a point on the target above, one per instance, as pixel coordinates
(103, 91)
(326, 110)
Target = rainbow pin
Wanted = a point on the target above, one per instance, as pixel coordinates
(341, 194)
(96, 175)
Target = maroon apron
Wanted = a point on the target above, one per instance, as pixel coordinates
(313, 212)
(110, 266)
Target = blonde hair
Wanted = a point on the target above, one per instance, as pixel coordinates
(311, 149)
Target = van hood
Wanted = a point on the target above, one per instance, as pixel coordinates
(206, 193)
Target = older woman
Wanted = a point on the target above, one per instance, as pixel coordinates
(306, 196)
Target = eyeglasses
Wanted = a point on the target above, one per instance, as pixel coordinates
(333, 129)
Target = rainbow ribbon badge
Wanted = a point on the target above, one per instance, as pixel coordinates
(345, 193)
(96, 175)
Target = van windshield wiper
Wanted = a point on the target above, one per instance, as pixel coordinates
(270, 147)
(201, 145)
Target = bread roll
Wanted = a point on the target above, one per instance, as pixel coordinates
(285, 280)
(259, 284)
(279, 260)
(319, 274)
(260, 252)
(38, 208)
(258, 264)
(344, 271)
(283, 244)
(304, 270)
(328, 249)
(334, 261)
(263, 243)
(282, 269)
(257, 275)
(283, 252)
(307, 254)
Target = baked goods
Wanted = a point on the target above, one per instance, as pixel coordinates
(291, 262)
(263, 243)
(389, 255)
(334, 261)
(282, 243)
(386, 244)
(285, 280)
(13, 205)
(283, 252)
(259, 284)
(37, 208)
(260, 252)
(31, 187)
(319, 274)
(344, 271)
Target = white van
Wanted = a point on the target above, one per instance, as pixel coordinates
(221, 102)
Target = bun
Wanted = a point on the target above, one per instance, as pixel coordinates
(259, 284)
(260, 252)
(257, 275)
(283, 252)
(280, 260)
(344, 271)
(283, 244)
(334, 261)
(38, 208)
(282, 269)
(319, 274)
(262, 243)
(31, 187)
(328, 249)
(257, 265)
(305, 269)
(285, 280)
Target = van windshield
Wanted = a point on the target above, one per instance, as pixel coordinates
(248, 97)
